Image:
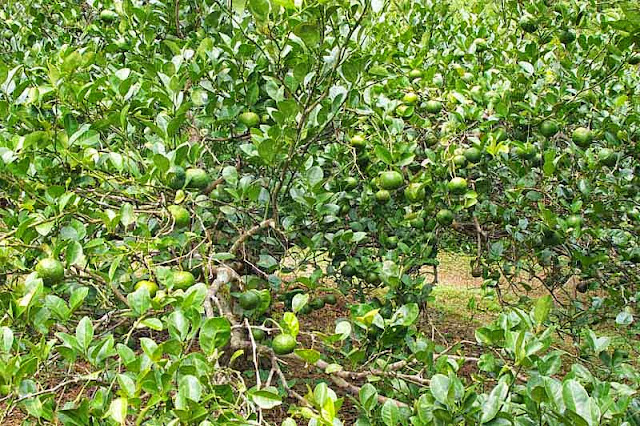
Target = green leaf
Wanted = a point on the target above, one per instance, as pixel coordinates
(288, 108)
(624, 318)
(33, 290)
(151, 348)
(118, 410)
(406, 315)
(576, 399)
(290, 324)
(190, 388)
(84, 333)
(78, 296)
(495, 400)
(368, 396)
(230, 175)
(549, 166)
(178, 325)
(75, 254)
(299, 301)
(127, 384)
(440, 385)
(390, 413)
(139, 301)
(152, 323)
(265, 399)
(309, 33)
(45, 228)
(127, 216)
(259, 9)
(527, 67)
(383, 154)
(309, 355)
(214, 334)
(542, 309)
(6, 339)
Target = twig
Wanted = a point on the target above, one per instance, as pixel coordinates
(254, 352)
(50, 390)
(177, 17)
(251, 232)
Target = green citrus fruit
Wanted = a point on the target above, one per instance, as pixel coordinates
(249, 300)
(372, 278)
(582, 137)
(258, 334)
(410, 98)
(430, 139)
(149, 285)
(197, 178)
(283, 344)
(50, 270)
(350, 183)
(567, 36)
(317, 303)
(415, 73)
(183, 280)
(391, 180)
(348, 271)
(582, 287)
(457, 185)
(180, 215)
(249, 119)
(330, 299)
(528, 24)
(108, 15)
(526, 151)
(574, 221)
(460, 160)
(444, 217)
(417, 222)
(358, 141)
(608, 157)
(414, 192)
(548, 128)
(383, 196)
(176, 177)
(473, 155)
(433, 107)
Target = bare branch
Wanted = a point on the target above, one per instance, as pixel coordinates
(251, 232)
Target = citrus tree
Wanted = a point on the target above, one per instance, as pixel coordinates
(182, 182)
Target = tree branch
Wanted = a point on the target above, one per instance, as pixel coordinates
(251, 232)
